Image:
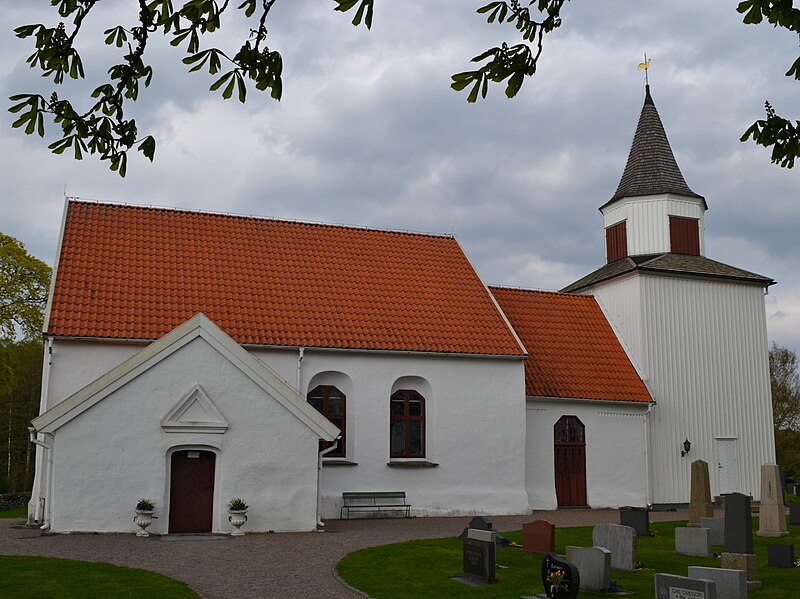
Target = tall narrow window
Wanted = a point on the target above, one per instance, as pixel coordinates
(330, 402)
(616, 242)
(684, 235)
(407, 424)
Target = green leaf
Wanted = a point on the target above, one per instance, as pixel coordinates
(794, 70)
(242, 87)
(148, 147)
(221, 81)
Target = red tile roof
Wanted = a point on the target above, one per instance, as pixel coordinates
(130, 272)
(572, 349)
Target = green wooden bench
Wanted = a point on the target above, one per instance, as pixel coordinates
(374, 501)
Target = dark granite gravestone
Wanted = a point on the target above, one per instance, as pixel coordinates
(478, 523)
(479, 557)
(538, 536)
(551, 565)
(738, 524)
(637, 518)
(794, 513)
(670, 586)
(780, 556)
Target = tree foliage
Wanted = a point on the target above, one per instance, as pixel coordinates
(785, 387)
(20, 388)
(24, 283)
(101, 126)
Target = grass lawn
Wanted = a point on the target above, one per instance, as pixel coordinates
(19, 512)
(44, 577)
(424, 568)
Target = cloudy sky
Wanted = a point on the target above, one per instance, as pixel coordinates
(369, 133)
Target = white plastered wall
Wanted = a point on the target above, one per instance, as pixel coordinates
(616, 472)
(475, 430)
(117, 451)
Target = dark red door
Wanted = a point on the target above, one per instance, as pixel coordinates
(191, 495)
(570, 466)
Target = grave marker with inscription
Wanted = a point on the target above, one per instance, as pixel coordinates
(479, 564)
(669, 586)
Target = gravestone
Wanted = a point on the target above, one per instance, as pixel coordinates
(716, 529)
(738, 554)
(538, 536)
(479, 523)
(772, 513)
(670, 586)
(794, 513)
(738, 524)
(479, 563)
(637, 518)
(571, 581)
(780, 556)
(620, 540)
(594, 566)
(700, 494)
(692, 541)
(731, 584)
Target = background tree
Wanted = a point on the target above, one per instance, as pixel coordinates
(102, 127)
(24, 282)
(785, 384)
(19, 404)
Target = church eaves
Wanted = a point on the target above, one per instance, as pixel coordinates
(651, 168)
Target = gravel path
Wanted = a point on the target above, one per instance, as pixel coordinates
(268, 565)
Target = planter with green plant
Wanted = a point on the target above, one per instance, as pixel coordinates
(237, 510)
(144, 515)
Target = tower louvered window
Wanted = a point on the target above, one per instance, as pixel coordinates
(616, 242)
(684, 235)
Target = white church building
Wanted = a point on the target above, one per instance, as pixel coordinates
(195, 357)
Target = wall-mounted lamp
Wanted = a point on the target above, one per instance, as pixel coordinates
(687, 445)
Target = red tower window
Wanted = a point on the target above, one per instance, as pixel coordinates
(684, 235)
(616, 242)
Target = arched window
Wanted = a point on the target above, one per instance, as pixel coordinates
(330, 402)
(407, 424)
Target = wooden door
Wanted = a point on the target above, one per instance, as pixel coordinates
(570, 461)
(191, 495)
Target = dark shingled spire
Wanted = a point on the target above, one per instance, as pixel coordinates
(651, 167)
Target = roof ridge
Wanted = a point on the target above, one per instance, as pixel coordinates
(256, 217)
(530, 290)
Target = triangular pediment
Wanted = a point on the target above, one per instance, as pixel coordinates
(195, 413)
(198, 327)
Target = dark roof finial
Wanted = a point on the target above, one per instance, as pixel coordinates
(648, 99)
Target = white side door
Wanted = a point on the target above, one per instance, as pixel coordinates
(727, 466)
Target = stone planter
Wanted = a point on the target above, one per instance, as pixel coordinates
(143, 519)
(237, 518)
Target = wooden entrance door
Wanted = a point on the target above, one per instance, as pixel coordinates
(570, 457)
(191, 495)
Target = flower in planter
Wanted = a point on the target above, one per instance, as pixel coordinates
(145, 505)
(237, 505)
